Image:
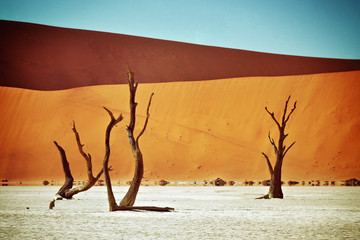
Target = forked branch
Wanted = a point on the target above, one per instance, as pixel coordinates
(273, 117)
(112, 123)
(291, 112)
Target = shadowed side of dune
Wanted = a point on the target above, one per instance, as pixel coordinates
(197, 130)
(51, 58)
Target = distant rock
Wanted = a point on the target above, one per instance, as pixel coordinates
(231, 183)
(249, 183)
(352, 182)
(218, 182)
(293, 183)
(266, 183)
(163, 182)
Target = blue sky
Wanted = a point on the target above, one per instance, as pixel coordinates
(319, 28)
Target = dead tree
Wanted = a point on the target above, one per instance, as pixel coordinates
(130, 197)
(67, 190)
(280, 151)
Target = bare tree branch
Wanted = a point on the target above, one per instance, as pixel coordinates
(285, 136)
(132, 88)
(273, 144)
(273, 117)
(67, 190)
(269, 164)
(289, 148)
(68, 177)
(87, 157)
(285, 110)
(292, 110)
(146, 121)
(113, 121)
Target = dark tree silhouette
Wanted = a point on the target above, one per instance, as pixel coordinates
(280, 151)
(67, 190)
(130, 197)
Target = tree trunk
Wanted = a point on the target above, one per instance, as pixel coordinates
(113, 122)
(275, 190)
(280, 151)
(130, 196)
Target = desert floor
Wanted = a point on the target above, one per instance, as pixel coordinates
(200, 213)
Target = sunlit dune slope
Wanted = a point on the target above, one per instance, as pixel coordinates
(197, 130)
(50, 58)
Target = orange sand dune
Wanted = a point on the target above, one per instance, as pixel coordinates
(197, 130)
(50, 58)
